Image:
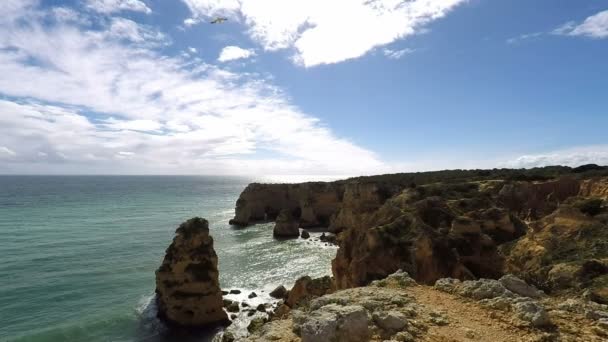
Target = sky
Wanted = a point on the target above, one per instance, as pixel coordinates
(297, 87)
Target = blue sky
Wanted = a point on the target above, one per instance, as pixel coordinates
(301, 87)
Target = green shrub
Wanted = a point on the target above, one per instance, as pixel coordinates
(591, 207)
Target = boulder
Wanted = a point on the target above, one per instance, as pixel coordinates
(307, 288)
(516, 285)
(532, 312)
(392, 321)
(187, 285)
(305, 234)
(333, 323)
(286, 225)
(279, 292)
(483, 289)
(233, 307)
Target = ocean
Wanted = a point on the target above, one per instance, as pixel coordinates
(78, 253)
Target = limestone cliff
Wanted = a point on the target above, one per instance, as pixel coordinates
(312, 204)
(459, 223)
(187, 286)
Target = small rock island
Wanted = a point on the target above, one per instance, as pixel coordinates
(187, 285)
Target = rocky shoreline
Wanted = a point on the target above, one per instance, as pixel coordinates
(525, 248)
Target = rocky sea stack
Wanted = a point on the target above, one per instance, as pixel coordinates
(187, 284)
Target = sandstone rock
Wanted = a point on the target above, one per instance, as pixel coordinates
(520, 287)
(187, 285)
(465, 225)
(483, 289)
(314, 202)
(279, 292)
(447, 284)
(256, 324)
(305, 234)
(392, 321)
(532, 313)
(333, 323)
(281, 311)
(286, 225)
(402, 279)
(561, 251)
(307, 288)
(404, 336)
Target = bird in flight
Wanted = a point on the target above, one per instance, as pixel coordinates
(218, 20)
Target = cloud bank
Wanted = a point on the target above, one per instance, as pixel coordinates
(81, 100)
(326, 32)
(595, 26)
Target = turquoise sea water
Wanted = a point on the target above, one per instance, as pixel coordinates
(78, 253)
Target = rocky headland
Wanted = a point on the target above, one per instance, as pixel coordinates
(488, 255)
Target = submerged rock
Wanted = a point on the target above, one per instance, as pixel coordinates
(187, 285)
(305, 234)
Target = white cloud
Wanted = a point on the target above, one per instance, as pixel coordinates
(325, 32)
(595, 26)
(133, 125)
(112, 92)
(569, 157)
(7, 151)
(122, 28)
(396, 54)
(190, 22)
(230, 53)
(192, 50)
(525, 37)
(112, 6)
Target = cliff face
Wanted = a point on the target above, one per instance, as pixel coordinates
(431, 231)
(187, 286)
(479, 229)
(461, 224)
(312, 204)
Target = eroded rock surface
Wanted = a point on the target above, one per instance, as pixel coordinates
(187, 287)
(312, 204)
(460, 224)
(286, 225)
(494, 294)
